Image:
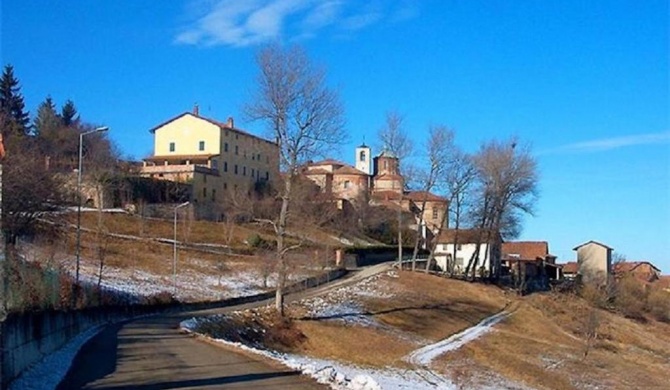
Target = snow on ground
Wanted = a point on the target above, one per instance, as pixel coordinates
(423, 356)
(341, 376)
(47, 374)
(343, 303)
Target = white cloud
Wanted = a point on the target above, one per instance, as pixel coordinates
(605, 144)
(243, 23)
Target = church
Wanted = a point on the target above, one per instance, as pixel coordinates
(377, 181)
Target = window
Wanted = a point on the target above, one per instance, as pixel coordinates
(204, 192)
(434, 212)
(385, 164)
(215, 163)
(226, 133)
(225, 166)
(237, 136)
(172, 148)
(237, 150)
(252, 172)
(347, 184)
(459, 247)
(267, 175)
(236, 169)
(244, 171)
(253, 156)
(225, 186)
(201, 146)
(225, 147)
(213, 194)
(258, 157)
(361, 157)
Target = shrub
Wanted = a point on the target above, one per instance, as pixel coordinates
(254, 240)
(658, 304)
(631, 297)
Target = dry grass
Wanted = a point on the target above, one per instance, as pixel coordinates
(439, 308)
(542, 345)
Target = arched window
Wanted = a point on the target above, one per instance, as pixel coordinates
(362, 155)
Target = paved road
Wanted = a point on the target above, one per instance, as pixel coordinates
(152, 354)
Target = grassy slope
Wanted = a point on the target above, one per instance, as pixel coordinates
(542, 345)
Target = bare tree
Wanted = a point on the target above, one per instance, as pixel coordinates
(306, 118)
(507, 188)
(440, 147)
(459, 181)
(393, 138)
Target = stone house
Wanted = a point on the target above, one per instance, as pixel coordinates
(594, 260)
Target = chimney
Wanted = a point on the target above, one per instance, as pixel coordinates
(231, 124)
(196, 110)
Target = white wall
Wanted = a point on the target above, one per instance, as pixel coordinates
(465, 253)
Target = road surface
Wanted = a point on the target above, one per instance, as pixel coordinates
(152, 354)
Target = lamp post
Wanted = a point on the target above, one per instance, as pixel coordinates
(174, 249)
(81, 140)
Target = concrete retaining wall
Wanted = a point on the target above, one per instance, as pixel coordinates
(27, 337)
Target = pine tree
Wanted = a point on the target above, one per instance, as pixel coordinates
(12, 106)
(47, 120)
(69, 114)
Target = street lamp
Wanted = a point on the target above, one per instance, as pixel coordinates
(81, 139)
(174, 248)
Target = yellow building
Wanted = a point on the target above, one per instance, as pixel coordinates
(212, 156)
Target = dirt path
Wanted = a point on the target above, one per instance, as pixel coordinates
(152, 354)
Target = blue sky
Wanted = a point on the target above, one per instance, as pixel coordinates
(585, 83)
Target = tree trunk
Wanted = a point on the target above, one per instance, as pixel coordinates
(281, 233)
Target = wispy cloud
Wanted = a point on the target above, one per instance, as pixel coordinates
(249, 22)
(604, 144)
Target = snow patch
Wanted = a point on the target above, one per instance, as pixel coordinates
(423, 356)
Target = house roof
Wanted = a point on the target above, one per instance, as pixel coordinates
(328, 161)
(629, 266)
(571, 267)
(173, 157)
(221, 126)
(525, 250)
(591, 242)
(349, 170)
(386, 195)
(316, 171)
(464, 236)
(419, 196)
(386, 153)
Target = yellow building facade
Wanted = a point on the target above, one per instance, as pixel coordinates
(214, 157)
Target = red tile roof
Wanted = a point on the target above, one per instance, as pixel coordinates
(419, 196)
(630, 266)
(326, 162)
(349, 170)
(571, 267)
(464, 236)
(525, 250)
(386, 195)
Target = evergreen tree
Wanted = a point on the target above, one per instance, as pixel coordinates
(12, 106)
(69, 114)
(47, 120)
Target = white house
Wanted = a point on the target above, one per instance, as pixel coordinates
(464, 241)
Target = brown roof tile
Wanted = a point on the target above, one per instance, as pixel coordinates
(419, 196)
(571, 267)
(525, 250)
(349, 170)
(465, 236)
